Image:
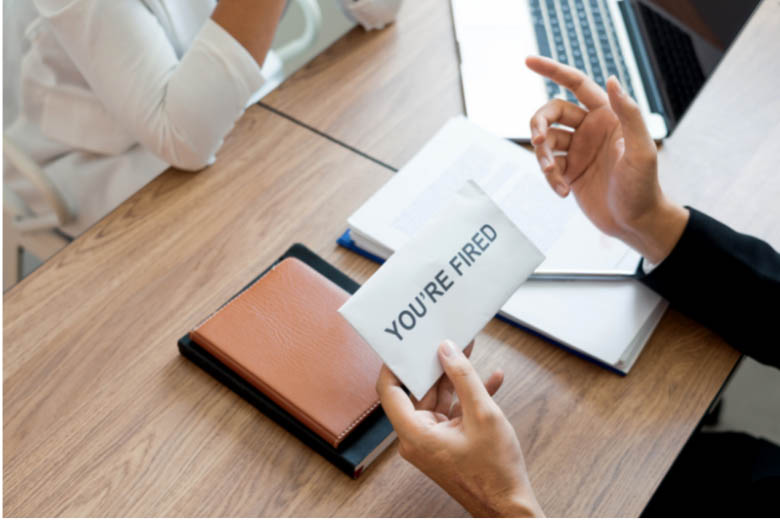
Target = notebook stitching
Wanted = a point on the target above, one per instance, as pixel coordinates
(271, 393)
(228, 304)
(360, 418)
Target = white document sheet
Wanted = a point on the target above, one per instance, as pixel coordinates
(446, 282)
(606, 320)
(511, 176)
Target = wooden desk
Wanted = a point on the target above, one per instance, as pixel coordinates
(386, 93)
(383, 92)
(103, 417)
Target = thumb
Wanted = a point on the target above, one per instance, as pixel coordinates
(469, 387)
(631, 120)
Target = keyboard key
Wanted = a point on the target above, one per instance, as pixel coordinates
(617, 66)
(557, 36)
(573, 37)
(543, 43)
(579, 33)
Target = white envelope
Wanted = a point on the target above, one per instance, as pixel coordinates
(447, 282)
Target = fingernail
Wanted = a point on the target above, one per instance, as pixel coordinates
(447, 348)
(536, 135)
(545, 163)
(560, 189)
(619, 86)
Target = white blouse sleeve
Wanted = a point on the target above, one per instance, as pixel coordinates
(180, 110)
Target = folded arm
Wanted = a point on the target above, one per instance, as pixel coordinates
(180, 109)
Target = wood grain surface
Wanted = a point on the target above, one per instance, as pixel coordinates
(384, 92)
(103, 417)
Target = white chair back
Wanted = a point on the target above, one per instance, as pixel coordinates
(24, 229)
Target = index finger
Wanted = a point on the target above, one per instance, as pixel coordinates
(395, 402)
(586, 90)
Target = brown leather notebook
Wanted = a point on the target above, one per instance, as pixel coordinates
(284, 336)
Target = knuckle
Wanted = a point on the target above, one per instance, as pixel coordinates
(409, 450)
(404, 450)
(461, 371)
(538, 118)
(488, 414)
(646, 157)
(553, 106)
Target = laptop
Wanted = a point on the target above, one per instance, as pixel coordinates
(662, 51)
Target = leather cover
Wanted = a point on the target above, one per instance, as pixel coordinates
(284, 336)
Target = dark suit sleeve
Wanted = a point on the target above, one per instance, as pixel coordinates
(726, 280)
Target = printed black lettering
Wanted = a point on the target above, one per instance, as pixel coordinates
(422, 307)
(442, 279)
(431, 290)
(484, 229)
(462, 256)
(411, 317)
(394, 331)
(477, 239)
(456, 265)
(471, 251)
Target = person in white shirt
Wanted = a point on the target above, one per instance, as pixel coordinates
(114, 92)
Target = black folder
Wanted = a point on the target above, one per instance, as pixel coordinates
(362, 445)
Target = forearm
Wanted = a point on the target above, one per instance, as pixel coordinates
(185, 118)
(178, 108)
(252, 22)
(726, 280)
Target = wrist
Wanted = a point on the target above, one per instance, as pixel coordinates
(657, 232)
(522, 507)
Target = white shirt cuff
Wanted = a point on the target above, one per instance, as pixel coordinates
(647, 267)
(242, 67)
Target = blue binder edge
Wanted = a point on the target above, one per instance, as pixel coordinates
(345, 241)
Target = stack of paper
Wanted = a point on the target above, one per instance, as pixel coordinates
(608, 321)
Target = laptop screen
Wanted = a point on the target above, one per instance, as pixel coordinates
(712, 24)
(685, 40)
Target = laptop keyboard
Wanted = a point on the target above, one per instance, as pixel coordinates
(579, 33)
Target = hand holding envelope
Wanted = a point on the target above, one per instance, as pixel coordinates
(469, 448)
(446, 282)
